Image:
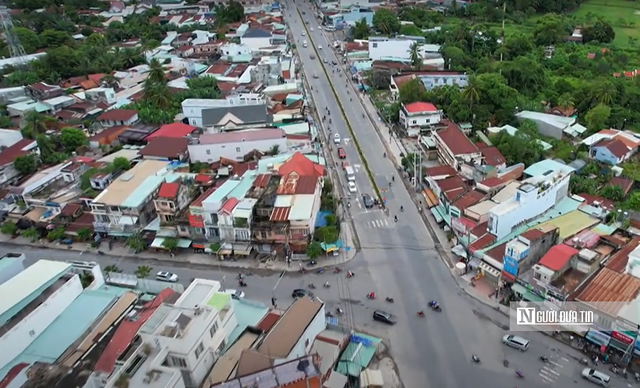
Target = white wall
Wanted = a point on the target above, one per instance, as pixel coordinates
(208, 153)
(316, 326)
(531, 205)
(396, 48)
(256, 43)
(24, 333)
(12, 269)
(9, 137)
(421, 120)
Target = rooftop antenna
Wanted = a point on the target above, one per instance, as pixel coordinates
(15, 47)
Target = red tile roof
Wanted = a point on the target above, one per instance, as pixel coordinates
(169, 190)
(469, 199)
(615, 146)
(440, 171)
(557, 257)
(166, 147)
(126, 332)
(497, 252)
(419, 107)
(268, 321)
(610, 290)
(451, 183)
(454, 139)
(261, 181)
(295, 184)
(117, 115)
(618, 262)
(479, 230)
(533, 234)
(70, 209)
(9, 154)
(198, 201)
(484, 241)
(602, 202)
(301, 165)
(203, 178)
(229, 205)
(492, 156)
(492, 182)
(280, 214)
(172, 130)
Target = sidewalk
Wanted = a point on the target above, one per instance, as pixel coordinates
(185, 257)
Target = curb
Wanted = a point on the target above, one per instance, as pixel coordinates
(344, 115)
(214, 265)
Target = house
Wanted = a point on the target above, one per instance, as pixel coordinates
(381, 47)
(256, 38)
(74, 171)
(194, 108)
(611, 151)
(8, 174)
(237, 117)
(491, 156)
(552, 125)
(454, 147)
(547, 184)
(172, 199)
(166, 148)
(105, 95)
(429, 79)
(419, 116)
(236, 145)
(126, 204)
(116, 117)
(185, 51)
(108, 136)
(183, 39)
(175, 130)
(525, 250)
(234, 219)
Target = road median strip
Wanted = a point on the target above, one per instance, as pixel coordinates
(344, 114)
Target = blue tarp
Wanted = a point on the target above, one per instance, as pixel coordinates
(332, 247)
(321, 219)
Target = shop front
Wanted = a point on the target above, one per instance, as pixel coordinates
(598, 336)
(636, 352)
(622, 343)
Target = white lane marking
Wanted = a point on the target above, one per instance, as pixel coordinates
(552, 371)
(556, 364)
(546, 379)
(565, 359)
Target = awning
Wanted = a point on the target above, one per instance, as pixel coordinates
(371, 377)
(182, 243)
(598, 338)
(237, 249)
(166, 232)
(459, 250)
(489, 269)
(154, 225)
(127, 220)
(332, 247)
(526, 294)
(436, 214)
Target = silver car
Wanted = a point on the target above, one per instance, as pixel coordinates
(522, 344)
(596, 377)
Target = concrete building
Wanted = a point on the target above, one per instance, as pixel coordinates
(256, 38)
(454, 147)
(194, 108)
(548, 183)
(180, 342)
(527, 249)
(350, 15)
(127, 203)
(419, 116)
(236, 145)
(398, 48)
(429, 79)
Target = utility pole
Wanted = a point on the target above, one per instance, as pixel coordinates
(504, 12)
(417, 169)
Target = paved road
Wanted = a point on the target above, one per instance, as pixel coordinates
(402, 261)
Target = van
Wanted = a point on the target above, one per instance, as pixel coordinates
(351, 175)
(596, 377)
(305, 44)
(522, 344)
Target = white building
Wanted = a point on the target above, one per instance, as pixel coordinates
(31, 301)
(381, 47)
(192, 107)
(256, 38)
(234, 219)
(235, 145)
(547, 185)
(106, 95)
(418, 116)
(180, 342)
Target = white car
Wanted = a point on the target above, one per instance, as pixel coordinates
(352, 187)
(303, 34)
(319, 47)
(310, 28)
(165, 276)
(336, 138)
(235, 294)
(596, 377)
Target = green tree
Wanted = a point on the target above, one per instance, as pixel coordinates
(613, 193)
(360, 29)
(9, 228)
(72, 138)
(22, 78)
(121, 164)
(143, 271)
(601, 31)
(551, 29)
(31, 233)
(520, 148)
(233, 12)
(170, 243)
(53, 38)
(36, 123)
(327, 234)
(411, 91)
(84, 234)
(26, 164)
(28, 38)
(632, 203)
(56, 234)
(597, 117)
(136, 243)
(112, 269)
(314, 250)
(385, 21)
(415, 56)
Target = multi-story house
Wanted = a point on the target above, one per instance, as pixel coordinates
(127, 203)
(234, 219)
(198, 110)
(419, 116)
(548, 183)
(171, 202)
(454, 147)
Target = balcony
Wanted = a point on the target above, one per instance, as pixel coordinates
(240, 223)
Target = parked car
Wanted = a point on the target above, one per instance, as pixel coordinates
(235, 294)
(352, 187)
(165, 276)
(344, 164)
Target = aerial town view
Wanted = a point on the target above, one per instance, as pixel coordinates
(468, 171)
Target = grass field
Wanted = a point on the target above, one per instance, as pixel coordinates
(623, 15)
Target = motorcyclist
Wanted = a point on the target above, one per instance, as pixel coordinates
(371, 295)
(421, 313)
(395, 218)
(401, 208)
(384, 154)
(349, 274)
(433, 303)
(339, 310)
(393, 178)
(311, 285)
(326, 284)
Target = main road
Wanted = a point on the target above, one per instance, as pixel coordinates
(401, 259)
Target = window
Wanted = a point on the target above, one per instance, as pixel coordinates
(199, 350)
(208, 152)
(306, 343)
(237, 149)
(375, 45)
(213, 329)
(414, 122)
(178, 361)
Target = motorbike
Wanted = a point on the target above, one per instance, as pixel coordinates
(326, 285)
(302, 270)
(389, 299)
(584, 361)
(320, 270)
(350, 275)
(339, 311)
(337, 270)
(436, 308)
(311, 263)
(312, 286)
(100, 253)
(614, 369)
(519, 374)
(637, 376)
(475, 359)
(242, 284)
(329, 314)
(420, 314)
(544, 359)
(371, 296)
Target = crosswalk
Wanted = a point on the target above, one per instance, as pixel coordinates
(552, 370)
(377, 224)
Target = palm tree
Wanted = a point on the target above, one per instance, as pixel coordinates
(415, 56)
(46, 146)
(157, 95)
(606, 94)
(471, 93)
(112, 269)
(31, 233)
(35, 123)
(143, 271)
(156, 72)
(565, 102)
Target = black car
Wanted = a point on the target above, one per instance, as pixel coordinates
(384, 317)
(301, 292)
(367, 201)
